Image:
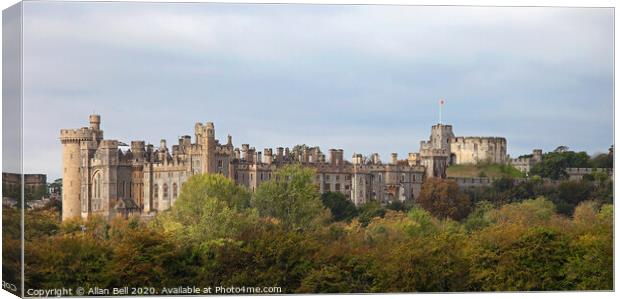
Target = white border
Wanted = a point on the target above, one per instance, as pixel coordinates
(577, 3)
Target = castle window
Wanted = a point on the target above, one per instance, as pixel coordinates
(165, 191)
(97, 186)
(337, 187)
(327, 177)
(174, 190)
(327, 187)
(337, 177)
(155, 191)
(402, 178)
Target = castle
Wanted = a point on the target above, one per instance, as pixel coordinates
(100, 177)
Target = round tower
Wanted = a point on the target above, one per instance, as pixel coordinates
(71, 176)
(95, 121)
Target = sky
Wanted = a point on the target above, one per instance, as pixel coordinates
(361, 78)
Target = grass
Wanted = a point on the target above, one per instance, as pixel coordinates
(485, 170)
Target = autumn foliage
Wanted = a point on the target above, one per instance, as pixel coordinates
(219, 234)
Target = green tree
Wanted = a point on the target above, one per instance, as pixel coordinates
(341, 208)
(533, 261)
(210, 207)
(554, 164)
(590, 266)
(571, 193)
(292, 197)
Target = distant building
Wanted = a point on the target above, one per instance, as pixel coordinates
(525, 163)
(33, 184)
(102, 178)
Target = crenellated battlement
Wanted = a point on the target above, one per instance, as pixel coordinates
(78, 135)
(478, 139)
(108, 144)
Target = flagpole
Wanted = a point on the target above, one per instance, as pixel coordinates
(440, 109)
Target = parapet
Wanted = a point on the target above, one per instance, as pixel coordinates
(77, 135)
(479, 139)
(108, 144)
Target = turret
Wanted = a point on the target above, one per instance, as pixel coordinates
(71, 163)
(268, 158)
(374, 158)
(205, 137)
(245, 148)
(357, 159)
(394, 158)
(95, 121)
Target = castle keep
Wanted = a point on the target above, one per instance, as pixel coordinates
(111, 178)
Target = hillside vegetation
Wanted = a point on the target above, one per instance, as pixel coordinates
(510, 236)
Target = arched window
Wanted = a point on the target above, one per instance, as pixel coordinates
(165, 191)
(155, 191)
(174, 190)
(97, 185)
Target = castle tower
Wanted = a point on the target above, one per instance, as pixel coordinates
(71, 163)
(205, 137)
(440, 136)
(435, 153)
(95, 121)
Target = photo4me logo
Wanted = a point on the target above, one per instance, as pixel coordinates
(9, 286)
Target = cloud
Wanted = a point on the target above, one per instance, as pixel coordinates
(365, 78)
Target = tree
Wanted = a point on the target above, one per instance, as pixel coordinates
(370, 210)
(443, 199)
(554, 164)
(590, 266)
(571, 193)
(210, 207)
(530, 261)
(292, 197)
(341, 208)
(602, 161)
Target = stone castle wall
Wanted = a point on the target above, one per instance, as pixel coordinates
(474, 150)
(110, 178)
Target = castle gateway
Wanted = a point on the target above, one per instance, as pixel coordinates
(110, 178)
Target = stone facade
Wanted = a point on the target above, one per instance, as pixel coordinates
(12, 182)
(575, 174)
(525, 164)
(110, 178)
(474, 150)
